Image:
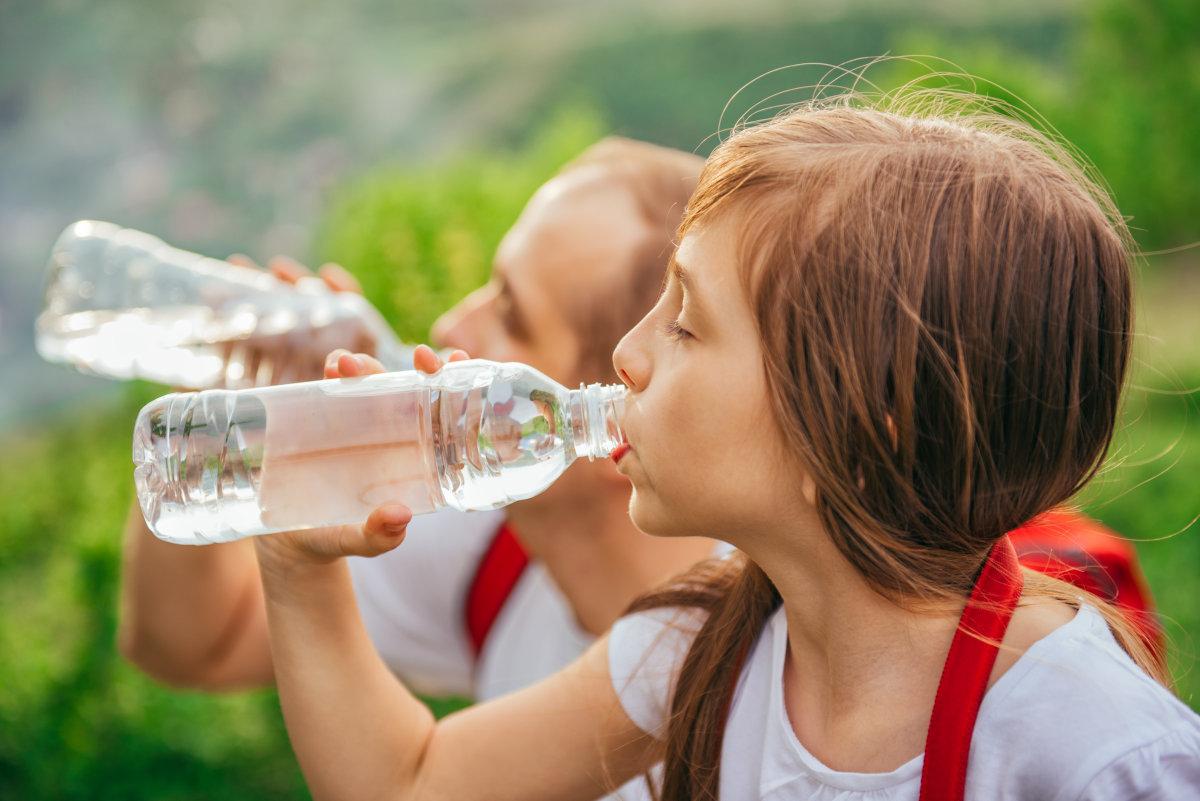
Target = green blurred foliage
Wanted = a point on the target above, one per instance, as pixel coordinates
(77, 722)
(420, 238)
(1126, 95)
(696, 68)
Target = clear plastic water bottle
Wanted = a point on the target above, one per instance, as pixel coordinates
(220, 465)
(123, 304)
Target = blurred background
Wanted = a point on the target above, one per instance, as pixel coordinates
(401, 139)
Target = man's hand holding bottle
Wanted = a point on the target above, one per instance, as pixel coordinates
(299, 354)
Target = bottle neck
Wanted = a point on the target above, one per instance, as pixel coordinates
(595, 412)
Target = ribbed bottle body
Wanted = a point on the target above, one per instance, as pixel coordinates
(220, 465)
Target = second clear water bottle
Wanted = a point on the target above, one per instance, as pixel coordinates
(123, 304)
(220, 465)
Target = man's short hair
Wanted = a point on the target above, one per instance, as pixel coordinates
(660, 180)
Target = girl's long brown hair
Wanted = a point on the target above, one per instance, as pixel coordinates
(944, 304)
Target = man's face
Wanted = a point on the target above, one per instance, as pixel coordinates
(572, 246)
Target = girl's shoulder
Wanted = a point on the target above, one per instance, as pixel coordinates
(645, 653)
(1073, 718)
(1076, 714)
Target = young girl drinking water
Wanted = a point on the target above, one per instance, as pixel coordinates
(886, 339)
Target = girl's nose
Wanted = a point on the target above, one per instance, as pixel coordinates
(631, 361)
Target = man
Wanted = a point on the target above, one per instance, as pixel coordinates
(474, 604)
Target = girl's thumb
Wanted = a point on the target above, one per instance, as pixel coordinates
(385, 529)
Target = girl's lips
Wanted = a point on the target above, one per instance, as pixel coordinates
(619, 452)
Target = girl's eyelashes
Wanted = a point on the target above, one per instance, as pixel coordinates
(675, 331)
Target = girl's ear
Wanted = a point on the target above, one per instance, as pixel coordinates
(808, 488)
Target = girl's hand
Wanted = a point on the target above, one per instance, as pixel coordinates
(385, 528)
(341, 363)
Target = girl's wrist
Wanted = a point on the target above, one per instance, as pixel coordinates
(288, 571)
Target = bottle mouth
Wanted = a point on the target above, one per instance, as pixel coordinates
(604, 407)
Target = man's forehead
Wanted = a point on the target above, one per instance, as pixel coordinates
(588, 227)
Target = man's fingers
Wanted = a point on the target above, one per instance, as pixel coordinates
(370, 365)
(242, 260)
(339, 279)
(349, 366)
(331, 362)
(287, 269)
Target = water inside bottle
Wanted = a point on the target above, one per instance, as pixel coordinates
(217, 465)
(167, 344)
(193, 346)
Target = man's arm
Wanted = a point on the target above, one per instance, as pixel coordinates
(193, 616)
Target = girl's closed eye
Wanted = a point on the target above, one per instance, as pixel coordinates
(675, 331)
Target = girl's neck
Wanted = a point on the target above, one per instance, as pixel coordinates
(861, 672)
(598, 558)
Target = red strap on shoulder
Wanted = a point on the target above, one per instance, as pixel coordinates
(1080, 551)
(501, 566)
(965, 674)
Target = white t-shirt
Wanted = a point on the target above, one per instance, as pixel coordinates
(1074, 718)
(412, 603)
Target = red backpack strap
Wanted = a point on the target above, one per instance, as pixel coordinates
(1083, 552)
(965, 674)
(501, 566)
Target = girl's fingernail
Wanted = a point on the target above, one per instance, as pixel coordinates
(395, 517)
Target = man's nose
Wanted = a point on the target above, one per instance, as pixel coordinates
(442, 334)
(454, 329)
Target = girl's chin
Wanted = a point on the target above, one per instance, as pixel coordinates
(652, 518)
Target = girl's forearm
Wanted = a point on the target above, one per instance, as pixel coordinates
(357, 732)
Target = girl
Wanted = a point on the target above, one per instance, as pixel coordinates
(886, 339)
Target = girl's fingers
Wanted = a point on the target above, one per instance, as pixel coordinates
(425, 360)
(383, 531)
(458, 355)
(386, 527)
(339, 279)
(287, 269)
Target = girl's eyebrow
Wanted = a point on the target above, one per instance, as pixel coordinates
(686, 280)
